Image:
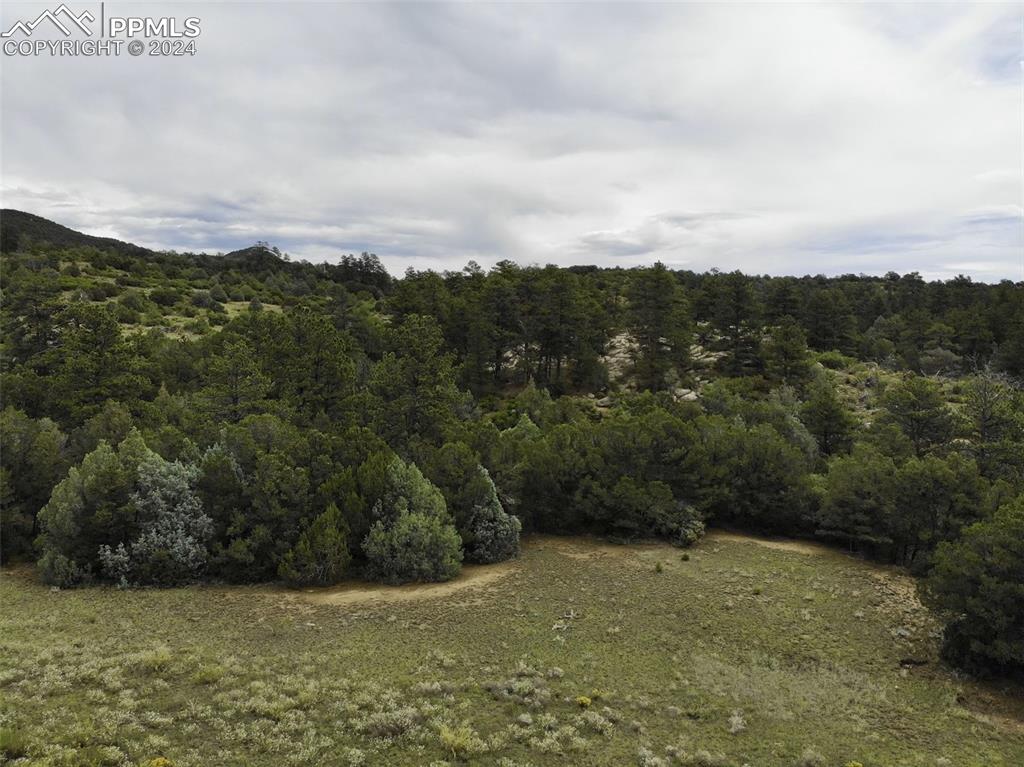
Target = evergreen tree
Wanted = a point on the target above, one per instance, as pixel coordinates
(321, 554)
(859, 499)
(235, 384)
(91, 364)
(916, 405)
(493, 535)
(736, 316)
(33, 459)
(978, 581)
(936, 499)
(786, 355)
(660, 326)
(414, 383)
(827, 418)
(413, 538)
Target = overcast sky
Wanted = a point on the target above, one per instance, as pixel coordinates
(775, 139)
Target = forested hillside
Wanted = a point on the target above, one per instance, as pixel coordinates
(243, 417)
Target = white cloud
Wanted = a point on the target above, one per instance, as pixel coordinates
(779, 139)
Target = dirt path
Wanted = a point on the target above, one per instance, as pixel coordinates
(780, 544)
(356, 592)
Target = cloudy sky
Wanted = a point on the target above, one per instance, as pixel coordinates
(785, 139)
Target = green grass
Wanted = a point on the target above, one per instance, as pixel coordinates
(583, 653)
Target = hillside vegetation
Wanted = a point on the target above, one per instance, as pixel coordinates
(178, 418)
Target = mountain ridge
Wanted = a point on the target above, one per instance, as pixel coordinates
(18, 227)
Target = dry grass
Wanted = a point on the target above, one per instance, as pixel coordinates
(578, 653)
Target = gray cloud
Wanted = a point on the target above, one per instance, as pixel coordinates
(778, 139)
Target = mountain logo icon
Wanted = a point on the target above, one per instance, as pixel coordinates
(54, 16)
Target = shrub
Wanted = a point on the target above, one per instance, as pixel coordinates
(462, 741)
(689, 527)
(171, 547)
(158, 660)
(737, 723)
(494, 534)
(321, 555)
(13, 745)
(835, 360)
(164, 296)
(204, 300)
(978, 581)
(159, 761)
(134, 299)
(102, 291)
(413, 538)
(208, 674)
(414, 548)
(127, 514)
(810, 758)
(125, 314)
(389, 723)
(646, 758)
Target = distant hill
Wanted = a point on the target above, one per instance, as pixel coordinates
(254, 257)
(18, 227)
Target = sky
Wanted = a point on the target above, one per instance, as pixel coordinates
(775, 139)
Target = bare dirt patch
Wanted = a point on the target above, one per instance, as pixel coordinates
(779, 544)
(471, 577)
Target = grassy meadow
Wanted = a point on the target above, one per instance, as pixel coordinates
(737, 652)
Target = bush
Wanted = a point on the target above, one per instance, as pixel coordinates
(159, 761)
(174, 530)
(412, 538)
(415, 547)
(321, 555)
(461, 741)
(101, 291)
(134, 299)
(127, 514)
(203, 299)
(810, 758)
(835, 360)
(978, 581)
(494, 535)
(157, 660)
(13, 745)
(164, 296)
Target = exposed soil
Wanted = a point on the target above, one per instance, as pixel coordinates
(356, 592)
(780, 544)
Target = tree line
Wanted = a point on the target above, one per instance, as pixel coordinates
(174, 418)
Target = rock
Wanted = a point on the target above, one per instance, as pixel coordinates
(686, 395)
(604, 402)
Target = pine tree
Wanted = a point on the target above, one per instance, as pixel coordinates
(786, 356)
(827, 418)
(660, 325)
(321, 554)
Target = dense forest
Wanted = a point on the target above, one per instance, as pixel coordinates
(172, 417)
